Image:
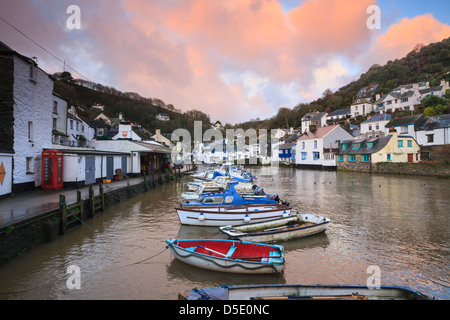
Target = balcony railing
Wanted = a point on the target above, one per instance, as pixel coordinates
(72, 143)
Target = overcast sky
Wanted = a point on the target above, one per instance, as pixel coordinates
(235, 60)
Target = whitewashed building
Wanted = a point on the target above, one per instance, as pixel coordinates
(375, 126)
(316, 148)
(126, 132)
(313, 120)
(27, 116)
(360, 107)
(434, 131)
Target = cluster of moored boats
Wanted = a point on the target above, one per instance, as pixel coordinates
(229, 198)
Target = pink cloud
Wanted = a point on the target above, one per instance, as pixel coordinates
(402, 37)
(179, 51)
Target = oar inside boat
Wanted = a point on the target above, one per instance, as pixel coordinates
(211, 250)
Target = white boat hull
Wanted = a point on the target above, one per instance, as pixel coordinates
(244, 232)
(223, 216)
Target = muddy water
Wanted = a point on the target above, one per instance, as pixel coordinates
(399, 224)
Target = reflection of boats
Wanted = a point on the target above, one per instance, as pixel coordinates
(296, 226)
(229, 255)
(230, 207)
(301, 292)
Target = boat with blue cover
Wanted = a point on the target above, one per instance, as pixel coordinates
(229, 207)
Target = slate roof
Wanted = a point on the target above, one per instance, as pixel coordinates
(314, 116)
(379, 117)
(403, 121)
(378, 144)
(435, 122)
(339, 112)
(318, 132)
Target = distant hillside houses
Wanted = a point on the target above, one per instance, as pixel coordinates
(163, 117)
(402, 98)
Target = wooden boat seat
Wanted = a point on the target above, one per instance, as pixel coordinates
(272, 255)
(231, 251)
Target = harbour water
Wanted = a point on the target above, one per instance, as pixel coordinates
(399, 224)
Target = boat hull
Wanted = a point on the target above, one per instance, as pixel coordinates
(243, 265)
(281, 229)
(216, 216)
(302, 292)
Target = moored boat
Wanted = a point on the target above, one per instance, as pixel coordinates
(296, 226)
(229, 255)
(302, 292)
(229, 207)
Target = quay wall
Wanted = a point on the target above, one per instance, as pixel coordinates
(23, 236)
(432, 169)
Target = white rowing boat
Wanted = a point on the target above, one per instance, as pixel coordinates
(282, 229)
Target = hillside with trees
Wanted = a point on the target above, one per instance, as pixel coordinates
(424, 63)
(133, 107)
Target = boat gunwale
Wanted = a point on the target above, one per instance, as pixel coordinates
(211, 291)
(251, 234)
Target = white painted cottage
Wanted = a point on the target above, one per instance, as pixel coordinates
(27, 116)
(316, 148)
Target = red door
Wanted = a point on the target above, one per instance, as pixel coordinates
(410, 157)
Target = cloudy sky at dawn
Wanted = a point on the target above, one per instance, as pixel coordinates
(235, 60)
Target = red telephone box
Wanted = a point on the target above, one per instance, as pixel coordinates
(52, 169)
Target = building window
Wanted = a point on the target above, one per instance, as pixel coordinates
(55, 107)
(78, 126)
(404, 129)
(316, 155)
(55, 123)
(315, 144)
(388, 157)
(365, 158)
(71, 124)
(409, 143)
(82, 128)
(430, 137)
(400, 143)
(370, 127)
(356, 145)
(404, 99)
(303, 155)
(303, 145)
(351, 158)
(344, 146)
(32, 73)
(30, 131)
(369, 145)
(377, 126)
(29, 165)
(340, 158)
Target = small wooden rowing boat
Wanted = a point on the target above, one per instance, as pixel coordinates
(302, 292)
(229, 255)
(282, 229)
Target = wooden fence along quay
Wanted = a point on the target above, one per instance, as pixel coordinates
(19, 238)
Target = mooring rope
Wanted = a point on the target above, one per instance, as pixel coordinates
(74, 214)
